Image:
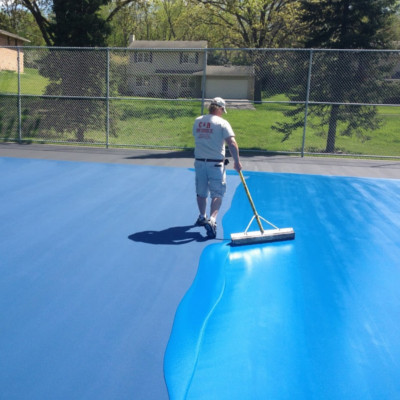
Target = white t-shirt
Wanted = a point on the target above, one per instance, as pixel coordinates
(210, 132)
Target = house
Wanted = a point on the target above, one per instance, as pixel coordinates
(9, 56)
(165, 69)
(173, 69)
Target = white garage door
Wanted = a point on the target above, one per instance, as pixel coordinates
(227, 88)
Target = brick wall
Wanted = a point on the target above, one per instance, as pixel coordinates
(9, 56)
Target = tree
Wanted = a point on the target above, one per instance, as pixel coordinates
(71, 72)
(344, 77)
(129, 20)
(163, 20)
(77, 23)
(17, 20)
(348, 24)
(43, 13)
(255, 24)
(39, 10)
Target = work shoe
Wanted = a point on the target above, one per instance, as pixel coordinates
(211, 228)
(201, 221)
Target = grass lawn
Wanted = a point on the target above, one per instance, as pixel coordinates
(170, 124)
(31, 82)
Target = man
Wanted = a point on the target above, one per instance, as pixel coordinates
(211, 133)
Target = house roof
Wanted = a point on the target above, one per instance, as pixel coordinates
(5, 33)
(168, 44)
(228, 70)
(178, 72)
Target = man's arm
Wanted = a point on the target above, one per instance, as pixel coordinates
(234, 150)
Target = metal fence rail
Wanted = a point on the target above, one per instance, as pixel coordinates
(303, 101)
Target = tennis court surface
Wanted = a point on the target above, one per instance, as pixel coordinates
(107, 291)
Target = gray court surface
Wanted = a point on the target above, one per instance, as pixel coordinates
(337, 166)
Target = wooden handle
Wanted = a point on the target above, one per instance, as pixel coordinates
(251, 202)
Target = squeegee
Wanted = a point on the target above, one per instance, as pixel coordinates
(263, 235)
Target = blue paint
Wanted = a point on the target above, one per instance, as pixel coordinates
(185, 344)
(313, 318)
(87, 301)
(95, 258)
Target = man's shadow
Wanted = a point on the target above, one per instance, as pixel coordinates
(174, 235)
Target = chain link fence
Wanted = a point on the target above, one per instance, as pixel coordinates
(300, 101)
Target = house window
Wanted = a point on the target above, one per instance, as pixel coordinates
(143, 57)
(189, 58)
(187, 82)
(142, 81)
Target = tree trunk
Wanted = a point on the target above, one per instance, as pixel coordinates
(80, 134)
(257, 91)
(258, 74)
(331, 140)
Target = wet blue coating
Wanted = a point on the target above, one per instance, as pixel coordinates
(314, 318)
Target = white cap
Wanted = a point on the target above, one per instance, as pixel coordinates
(220, 102)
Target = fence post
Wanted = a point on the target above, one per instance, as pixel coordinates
(19, 97)
(203, 81)
(108, 99)
(307, 100)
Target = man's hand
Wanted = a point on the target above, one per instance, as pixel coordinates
(237, 166)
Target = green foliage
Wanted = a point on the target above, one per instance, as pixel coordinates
(340, 77)
(251, 24)
(78, 23)
(71, 73)
(223, 23)
(16, 20)
(348, 24)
